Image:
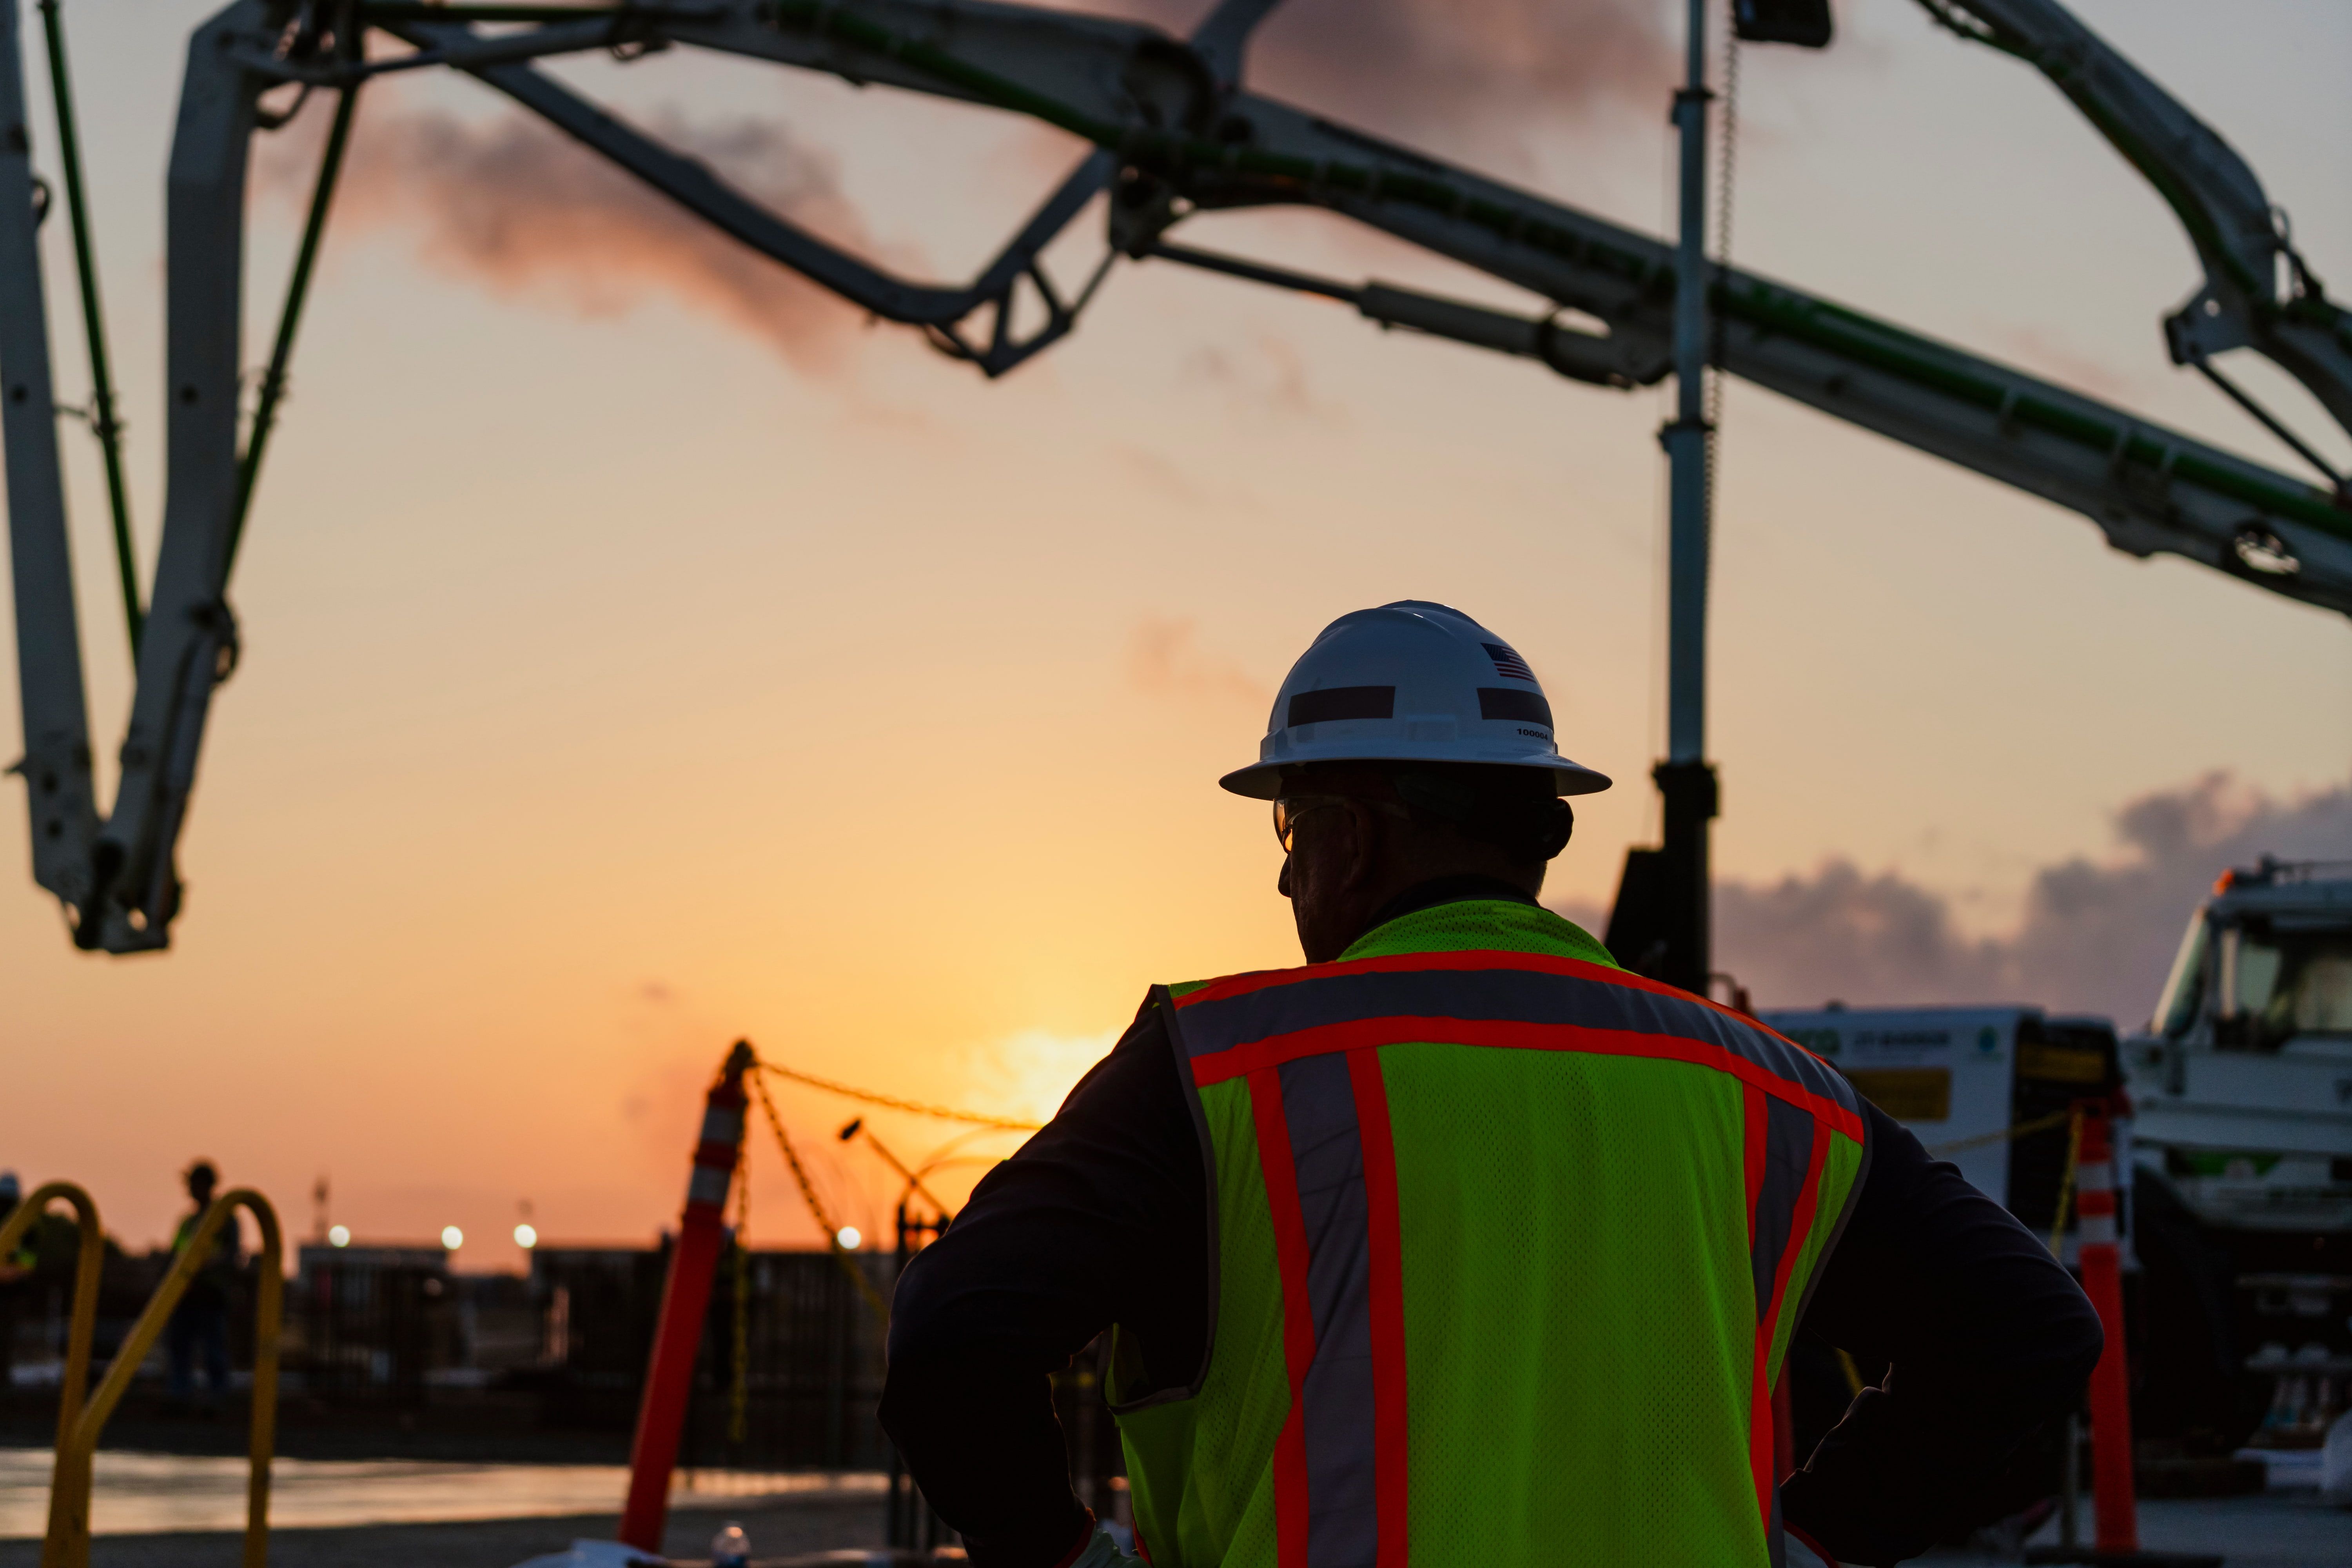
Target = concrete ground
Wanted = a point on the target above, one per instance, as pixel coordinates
(2269, 1530)
(778, 1528)
(2274, 1529)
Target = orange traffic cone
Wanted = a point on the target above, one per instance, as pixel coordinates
(2114, 1503)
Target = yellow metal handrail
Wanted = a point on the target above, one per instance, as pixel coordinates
(68, 1542)
(90, 1263)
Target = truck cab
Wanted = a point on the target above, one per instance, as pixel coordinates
(2241, 1098)
(2242, 1085)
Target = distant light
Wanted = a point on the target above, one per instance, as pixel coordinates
(452, 1237)
(848, 1237)
(339, 1236)
(526, 1238)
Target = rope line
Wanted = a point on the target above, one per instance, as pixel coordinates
(2066, 1181)
(816, 1204)
(918, 1108)
(2023, 1130)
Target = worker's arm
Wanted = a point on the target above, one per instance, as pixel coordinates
(1102, 1218)
(1988, 1338)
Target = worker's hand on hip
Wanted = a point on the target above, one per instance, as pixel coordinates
(1102, 1550)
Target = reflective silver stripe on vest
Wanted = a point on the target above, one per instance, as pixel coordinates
(1318, 1107)
(1788, 1155)
(1518, 995)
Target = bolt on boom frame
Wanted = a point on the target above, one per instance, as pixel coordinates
(1175, 130)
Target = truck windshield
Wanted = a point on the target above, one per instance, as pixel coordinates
(2184, 989)
(2288, 983)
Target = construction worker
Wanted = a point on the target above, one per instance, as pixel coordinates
(1462, 1244)
(18, 1260)
(198, 1331)
(16, 1266)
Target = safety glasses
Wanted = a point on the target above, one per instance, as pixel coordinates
(1288, 809)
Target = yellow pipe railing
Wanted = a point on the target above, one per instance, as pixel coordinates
(68, 1542)
(87, 1265)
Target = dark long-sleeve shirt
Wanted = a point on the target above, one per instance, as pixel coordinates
(1102, 1217)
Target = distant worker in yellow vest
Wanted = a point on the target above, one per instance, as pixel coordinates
(198, 1336)
(1462, 1246)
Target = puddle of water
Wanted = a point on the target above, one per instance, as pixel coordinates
(136, 1493)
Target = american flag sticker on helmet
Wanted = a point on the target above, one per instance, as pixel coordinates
(1507, 663)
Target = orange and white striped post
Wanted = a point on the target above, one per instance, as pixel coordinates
(685, 1297)
(2114, 1504)
(2099, 1255)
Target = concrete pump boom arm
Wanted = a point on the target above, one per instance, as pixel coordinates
(2258, 292)
(1173, 130)
(1187, 137)
(114, 873)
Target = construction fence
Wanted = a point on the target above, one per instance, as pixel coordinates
(389, 1341)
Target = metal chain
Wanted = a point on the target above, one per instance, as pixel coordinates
(1729, 163)
(816, 1205)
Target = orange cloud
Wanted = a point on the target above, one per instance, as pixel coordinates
(513, 204)
(1164, 658)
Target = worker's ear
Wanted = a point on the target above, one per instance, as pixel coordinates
(1359, 854)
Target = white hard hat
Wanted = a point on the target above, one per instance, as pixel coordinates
(1410, 681)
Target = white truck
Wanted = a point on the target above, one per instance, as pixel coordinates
(2241, 1088)
(2239, 1133)
(2243, 1083)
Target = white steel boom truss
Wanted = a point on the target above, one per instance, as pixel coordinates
(1174, 131)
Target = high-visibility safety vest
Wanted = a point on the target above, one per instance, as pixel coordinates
(1508, 1243)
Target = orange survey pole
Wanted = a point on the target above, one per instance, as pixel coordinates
(678, 1333)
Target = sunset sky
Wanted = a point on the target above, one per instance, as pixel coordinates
(641, 651)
